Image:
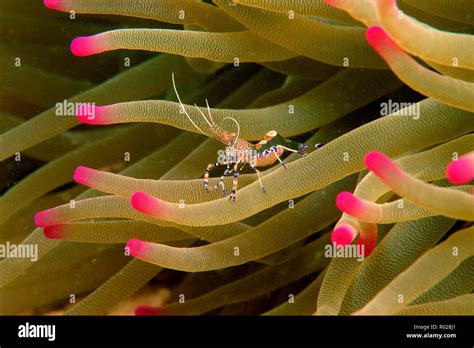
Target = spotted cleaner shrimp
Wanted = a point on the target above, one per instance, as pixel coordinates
(241, 152)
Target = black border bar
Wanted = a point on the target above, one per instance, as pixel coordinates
(161, 331)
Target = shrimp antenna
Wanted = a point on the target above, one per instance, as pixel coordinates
(237, 123)
(204, 116)
(183, 108)
(209, 112)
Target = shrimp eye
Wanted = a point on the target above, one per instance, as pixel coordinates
(270, 135)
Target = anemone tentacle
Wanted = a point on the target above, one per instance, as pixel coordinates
(417, 133)
(452, 50)
(321, 105)
(124, 217)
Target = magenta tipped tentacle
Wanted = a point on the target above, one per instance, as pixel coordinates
(350, 204)
(402, 28)
(381, 42)
(85, 176)
(54, 232)
(88, 45)
(86, 209)
(358, 208)
(54, 4)
(148, 311)
(461, 171)
(343, 235)
(147, 204)
(334, 3)
(137, 248)
(94, 115)
(45, 218)
(382, 166)
(454, 204)
(49, 218)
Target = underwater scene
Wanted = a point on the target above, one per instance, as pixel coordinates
(236, 157)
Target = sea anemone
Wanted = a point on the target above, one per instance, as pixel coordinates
(119, 205)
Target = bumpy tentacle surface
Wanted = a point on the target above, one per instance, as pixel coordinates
(381, 132)
(318, 107)
(244, 45)
(453, 10)
(337, 45)
(303, 263)
(441, 261)
(319, 77)
(361, 214)
(453, 92)
(46, 125)
(316, 8)
(404, 243)
(451, 51)
(253, 244)
(176, 12)
(387, 213)
(455, 204)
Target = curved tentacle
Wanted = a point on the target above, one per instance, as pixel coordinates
(318, 107)
(244, 45)
(436, 45)
(416, 133)
(453, 92)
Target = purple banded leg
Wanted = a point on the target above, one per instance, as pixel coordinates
(206, 174)
(221, 182)
(234, 182)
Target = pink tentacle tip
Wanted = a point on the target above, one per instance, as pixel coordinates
(380, 164)
(88, 113)
(42, 218)
(334, 3)
(343, 235)
(378, 38)
(54, 231)
(144, 203)
(375, 34)
(53, 4)
(83, 175)
(136, 247)
(147, 311)
(349, 204)
(373, 158)
(461, 171)
(83, 46)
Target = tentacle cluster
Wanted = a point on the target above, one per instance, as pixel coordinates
(438, 48)
(304, 69)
